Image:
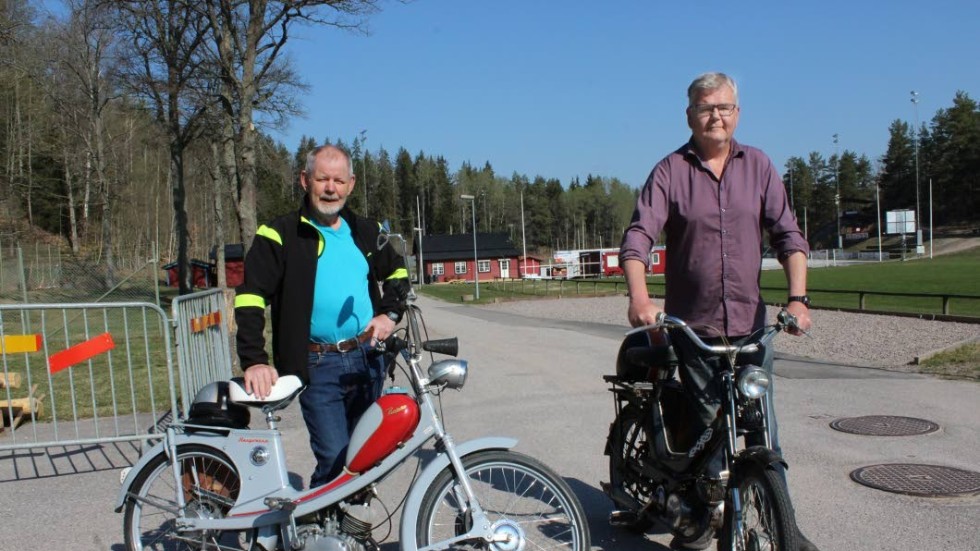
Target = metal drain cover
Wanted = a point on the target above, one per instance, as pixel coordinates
(884, 425)
(918, 480)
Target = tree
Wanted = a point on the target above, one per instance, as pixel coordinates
(248, 37)
(165, 68)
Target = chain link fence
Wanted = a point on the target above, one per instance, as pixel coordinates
(38, 272)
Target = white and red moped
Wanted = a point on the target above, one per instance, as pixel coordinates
(213, 483)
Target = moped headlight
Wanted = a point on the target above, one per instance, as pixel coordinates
(753, 382)
(451, 373)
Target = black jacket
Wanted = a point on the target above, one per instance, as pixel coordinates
(280, 271)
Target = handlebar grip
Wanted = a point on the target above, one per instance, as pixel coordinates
(449, 347)
(395, 344)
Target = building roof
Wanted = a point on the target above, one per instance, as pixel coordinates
(460, 246)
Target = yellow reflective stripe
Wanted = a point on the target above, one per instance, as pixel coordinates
(319, 236)
(400, 273)
(269, 233)
(247, 300)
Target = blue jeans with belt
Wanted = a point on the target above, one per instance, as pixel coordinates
(342, 386)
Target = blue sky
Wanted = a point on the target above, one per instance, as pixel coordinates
(568, 88)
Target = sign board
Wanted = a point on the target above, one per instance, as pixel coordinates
(900, 221)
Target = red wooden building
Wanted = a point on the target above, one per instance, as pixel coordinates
(450, 257)
(234, 264)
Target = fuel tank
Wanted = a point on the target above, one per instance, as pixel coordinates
(387, 423)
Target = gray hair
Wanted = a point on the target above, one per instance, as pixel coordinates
(710, 82)
(311, 158)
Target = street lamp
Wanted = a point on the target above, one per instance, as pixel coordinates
(364, 170)
(915, 143)
(476, 264)
(840, 240)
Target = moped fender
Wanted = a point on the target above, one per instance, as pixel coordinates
(762, 456)
(407, 535)
(157, 449)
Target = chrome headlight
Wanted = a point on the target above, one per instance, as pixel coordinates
(753, 382)
(451, 373)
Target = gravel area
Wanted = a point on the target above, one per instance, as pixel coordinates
(891, 342)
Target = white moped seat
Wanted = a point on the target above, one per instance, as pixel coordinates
(282, 393)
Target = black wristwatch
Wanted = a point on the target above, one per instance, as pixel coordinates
(805, 299)
(394, 316)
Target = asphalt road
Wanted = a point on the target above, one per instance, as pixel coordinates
(540, 382)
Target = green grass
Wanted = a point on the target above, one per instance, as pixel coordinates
(834, 287)
(962, 362)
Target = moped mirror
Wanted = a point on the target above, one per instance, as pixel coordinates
(397, 242)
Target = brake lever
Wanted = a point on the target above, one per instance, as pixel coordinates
(789, 320)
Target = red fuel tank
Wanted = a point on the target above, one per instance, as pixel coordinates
(386, 424)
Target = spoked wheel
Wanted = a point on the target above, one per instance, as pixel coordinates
(628, 446)
(210, 486)
(767, 518)
(528, 505)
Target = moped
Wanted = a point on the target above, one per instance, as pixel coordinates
(213, 483)
(698, 485)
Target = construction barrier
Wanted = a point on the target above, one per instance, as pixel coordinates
(78, 374)
(203, 346)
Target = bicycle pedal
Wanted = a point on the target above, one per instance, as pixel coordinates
(622, 518)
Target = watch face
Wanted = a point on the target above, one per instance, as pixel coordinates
(393, 316)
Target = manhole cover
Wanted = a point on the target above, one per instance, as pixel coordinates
(918, 480)
(884, 425)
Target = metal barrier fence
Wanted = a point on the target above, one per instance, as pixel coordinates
(203, 347)
(78, 374)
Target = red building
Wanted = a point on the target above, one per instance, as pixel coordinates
(200, 274)
(234, 265)
(450, 257)
(658, 259)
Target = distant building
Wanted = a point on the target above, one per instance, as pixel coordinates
(234, 264)
(450, 257)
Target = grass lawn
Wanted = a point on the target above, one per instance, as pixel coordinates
(834, 287)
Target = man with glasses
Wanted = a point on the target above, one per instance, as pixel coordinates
(712, 198)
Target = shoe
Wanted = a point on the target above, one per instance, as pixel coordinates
(703, 541)
(805, 544)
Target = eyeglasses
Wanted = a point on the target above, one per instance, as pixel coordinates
(705, 109)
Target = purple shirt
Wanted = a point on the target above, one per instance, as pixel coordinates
(714, 235)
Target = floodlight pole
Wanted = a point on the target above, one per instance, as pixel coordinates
(476, 262)
(840, 238)
(915, 142)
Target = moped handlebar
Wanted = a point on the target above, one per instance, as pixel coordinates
(759, 340)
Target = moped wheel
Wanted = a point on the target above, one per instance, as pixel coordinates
(629, 445)
(210, 486)
(767, 517)
(528, 505)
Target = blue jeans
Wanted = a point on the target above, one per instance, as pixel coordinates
(700, 379)
(342, 386)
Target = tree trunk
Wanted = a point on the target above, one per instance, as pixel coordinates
(220, 176)
(180, 217)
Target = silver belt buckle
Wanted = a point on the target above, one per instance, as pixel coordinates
(347, 345)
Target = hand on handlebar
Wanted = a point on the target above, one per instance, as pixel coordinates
(644, 313)
(799, 322)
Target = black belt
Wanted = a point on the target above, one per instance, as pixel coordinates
(342, 346)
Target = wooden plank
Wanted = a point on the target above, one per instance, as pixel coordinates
(10, 380)
(15, 410)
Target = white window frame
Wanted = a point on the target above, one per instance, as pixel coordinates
(438, 269)
(461, 267)
(655, 259)
(480, 264)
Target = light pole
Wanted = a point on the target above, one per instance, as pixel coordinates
(364, 170)
(915, 143)
(840, 239)
(476, 262)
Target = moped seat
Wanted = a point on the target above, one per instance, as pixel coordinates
(282, 393)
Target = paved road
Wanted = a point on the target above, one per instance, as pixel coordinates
(541, 382)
